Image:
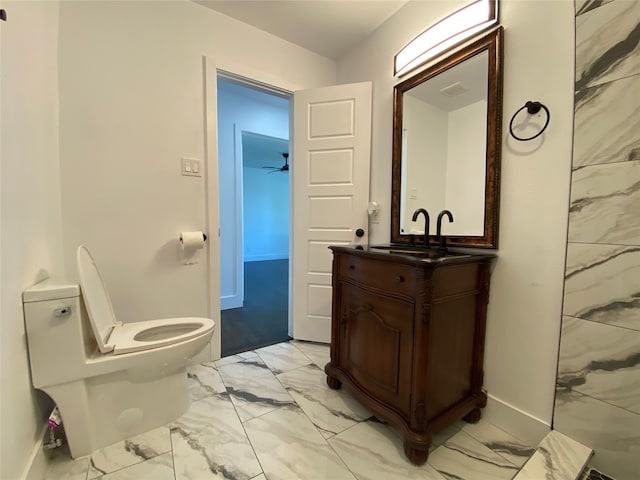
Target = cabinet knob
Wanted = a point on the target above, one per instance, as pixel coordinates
(352, 267)
(398, 279)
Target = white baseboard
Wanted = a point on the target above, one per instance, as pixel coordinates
(37, 464)
(512, 420)
(230, 301)
(268, 256)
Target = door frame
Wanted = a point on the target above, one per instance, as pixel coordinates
(211, 73)
(212, 213)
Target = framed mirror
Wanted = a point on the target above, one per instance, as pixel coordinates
(446, 146)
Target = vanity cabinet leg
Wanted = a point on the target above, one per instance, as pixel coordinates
(333, 383)
(473, 416)
(415, 455)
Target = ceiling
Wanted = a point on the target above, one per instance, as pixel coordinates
(328, 27)
(471, 74)
(260, 151)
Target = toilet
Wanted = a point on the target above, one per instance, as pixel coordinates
(110, 380)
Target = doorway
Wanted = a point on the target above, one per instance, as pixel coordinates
(254, 190)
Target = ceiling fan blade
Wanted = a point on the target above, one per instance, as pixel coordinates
(283, 168)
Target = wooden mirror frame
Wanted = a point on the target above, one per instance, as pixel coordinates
(493, 44)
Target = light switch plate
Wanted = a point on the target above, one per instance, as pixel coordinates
(191, 167)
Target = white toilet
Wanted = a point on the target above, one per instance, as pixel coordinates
(109, 380)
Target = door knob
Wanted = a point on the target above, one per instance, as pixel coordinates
(359, 232)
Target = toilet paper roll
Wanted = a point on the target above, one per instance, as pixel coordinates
(192, 240)
(190, 244)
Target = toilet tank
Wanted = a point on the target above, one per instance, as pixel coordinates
(57, 341)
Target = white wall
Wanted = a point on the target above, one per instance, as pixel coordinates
(131, 105)
(266, 215)
(526, 290)
(31, 236)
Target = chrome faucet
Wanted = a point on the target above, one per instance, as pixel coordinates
(442, 239)
(426, 224)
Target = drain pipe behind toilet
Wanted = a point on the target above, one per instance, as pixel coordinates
(55, 431)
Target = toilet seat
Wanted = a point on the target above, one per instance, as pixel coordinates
(117, 337)
(136, 336)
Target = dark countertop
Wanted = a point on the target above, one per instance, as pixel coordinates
(414, 254)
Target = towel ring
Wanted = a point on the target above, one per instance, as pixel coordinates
(532, 108)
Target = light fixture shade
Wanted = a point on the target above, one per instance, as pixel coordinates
(445, 34)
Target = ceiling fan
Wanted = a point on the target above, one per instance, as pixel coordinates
(283, 168)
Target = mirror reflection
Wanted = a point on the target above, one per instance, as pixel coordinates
(446, 146)
(444, 138)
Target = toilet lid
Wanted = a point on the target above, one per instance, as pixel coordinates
(96, 299)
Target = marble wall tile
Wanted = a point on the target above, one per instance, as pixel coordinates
(584, 6)
(371, 450)
(253, 388)
(209, 442)
(331, 411)
(129, 452)
(158, 468)
(601, 361)
(607, 45)
(464, 458)
(289, 447)
(602, 284)
(605, 201)
(612, 432)
(557, 457)
(599, 345)
(607, 123)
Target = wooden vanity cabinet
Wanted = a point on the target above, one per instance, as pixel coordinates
(407, 339)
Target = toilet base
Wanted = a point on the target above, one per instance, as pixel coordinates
(99, 411)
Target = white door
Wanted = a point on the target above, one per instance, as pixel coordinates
(330, 167)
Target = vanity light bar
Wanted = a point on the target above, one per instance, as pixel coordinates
(448, 32)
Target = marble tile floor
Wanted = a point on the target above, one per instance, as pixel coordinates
(592, 474)
(268, 414)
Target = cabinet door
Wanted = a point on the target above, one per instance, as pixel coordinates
(376, 345)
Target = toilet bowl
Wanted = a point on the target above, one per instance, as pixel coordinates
(109, 380)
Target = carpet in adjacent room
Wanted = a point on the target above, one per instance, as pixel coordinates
(263, 320)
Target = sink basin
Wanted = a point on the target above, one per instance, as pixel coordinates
(420, 252)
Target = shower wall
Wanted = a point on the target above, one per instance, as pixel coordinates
(598, 383)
